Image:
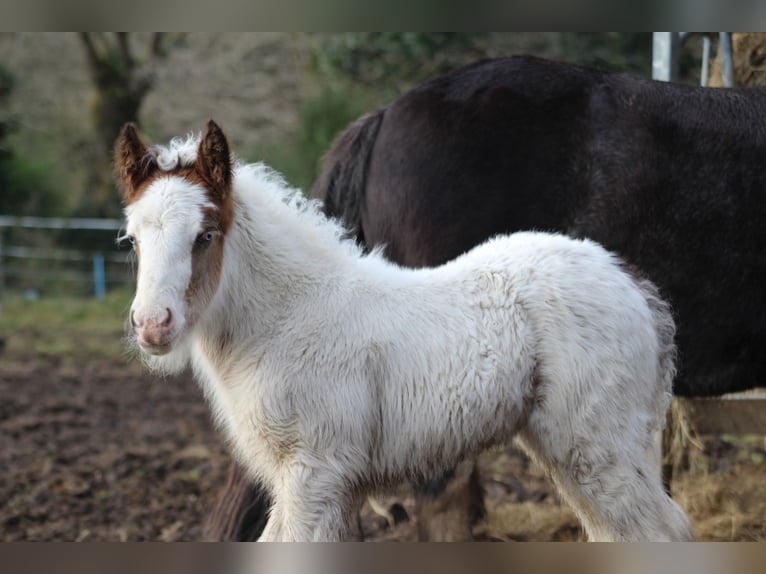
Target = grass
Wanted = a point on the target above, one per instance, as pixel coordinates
(65, 328)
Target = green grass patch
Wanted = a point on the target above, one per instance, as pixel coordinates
(66, 328)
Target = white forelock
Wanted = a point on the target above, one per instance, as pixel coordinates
(180, 152)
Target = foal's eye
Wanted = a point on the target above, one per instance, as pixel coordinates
(204, 238)
(130, 239)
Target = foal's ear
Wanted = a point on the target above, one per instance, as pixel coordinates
(214, 159)
(132, 159)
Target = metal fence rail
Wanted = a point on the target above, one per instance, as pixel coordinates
(60, 223)
(20, 252)
(98, 258)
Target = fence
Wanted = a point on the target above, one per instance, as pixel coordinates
(32, 266)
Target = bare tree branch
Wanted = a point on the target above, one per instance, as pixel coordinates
(90, 49)
(124, 49)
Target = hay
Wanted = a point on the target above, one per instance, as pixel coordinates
(749, 60)
(718, 480)
(725, 506)
(679, 437)
(540, 521)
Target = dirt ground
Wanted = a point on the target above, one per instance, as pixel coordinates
(103, 451)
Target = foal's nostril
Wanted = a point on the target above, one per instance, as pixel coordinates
(133, 319)
(168, 320)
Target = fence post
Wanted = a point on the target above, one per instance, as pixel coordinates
(727, 59)
(665, 48)
(99, 276)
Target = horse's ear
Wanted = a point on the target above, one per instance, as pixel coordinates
(132, 160)
(214, 159)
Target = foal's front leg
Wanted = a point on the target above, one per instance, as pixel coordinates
(310, 504)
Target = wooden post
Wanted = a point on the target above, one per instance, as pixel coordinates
(736, 413)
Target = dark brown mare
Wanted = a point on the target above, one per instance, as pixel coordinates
(671, 177)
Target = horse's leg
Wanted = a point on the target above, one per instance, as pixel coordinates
(605, 462)
(447, 507)
(240, 512)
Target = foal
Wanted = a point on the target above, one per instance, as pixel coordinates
(334, 373)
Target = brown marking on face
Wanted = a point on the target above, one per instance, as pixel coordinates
(213, 171)
(207, 264)
(207, 258)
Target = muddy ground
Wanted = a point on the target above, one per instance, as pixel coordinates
(102, 451)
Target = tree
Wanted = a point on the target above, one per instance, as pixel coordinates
(121, 79)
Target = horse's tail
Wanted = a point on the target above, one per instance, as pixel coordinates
(341, 183)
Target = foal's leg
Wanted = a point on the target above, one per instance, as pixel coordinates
(311, 504)
(604, 461)
(303, 519)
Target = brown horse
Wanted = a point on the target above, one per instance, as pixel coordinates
(669, 176)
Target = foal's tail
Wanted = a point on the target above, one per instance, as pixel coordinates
(341, 183)
(665, 327)
(677, 524)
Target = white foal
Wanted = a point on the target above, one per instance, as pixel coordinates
(334, 373)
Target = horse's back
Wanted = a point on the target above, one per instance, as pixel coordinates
(462, 143)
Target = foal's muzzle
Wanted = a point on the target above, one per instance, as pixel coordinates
(154, 334)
